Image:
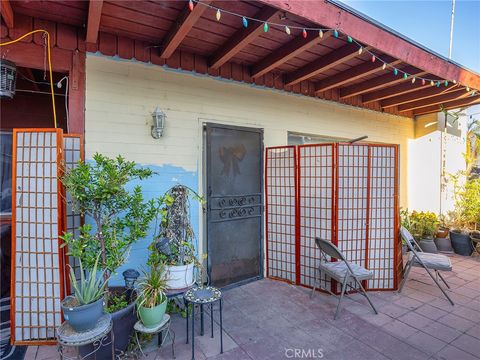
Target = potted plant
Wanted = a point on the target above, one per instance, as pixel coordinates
(151, 300)
(174, 246)
(442, 239)
(115, 218)
(423, 227)
(85, 307)
(466, 216)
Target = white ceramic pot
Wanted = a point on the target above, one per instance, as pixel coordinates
(179, 276)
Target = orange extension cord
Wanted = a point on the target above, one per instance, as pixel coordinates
(49, 65)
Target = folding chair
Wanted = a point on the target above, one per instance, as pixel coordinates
(428, 261)
(342, 271)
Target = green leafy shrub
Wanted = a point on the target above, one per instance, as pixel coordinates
(422, 225)
(466, 215)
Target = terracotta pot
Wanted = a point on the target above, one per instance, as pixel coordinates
(442, 233)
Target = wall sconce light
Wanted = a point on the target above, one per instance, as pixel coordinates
(158, 117)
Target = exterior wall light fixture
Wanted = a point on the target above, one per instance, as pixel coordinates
(158, 126)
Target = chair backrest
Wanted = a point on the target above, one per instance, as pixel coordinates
(410, 240)
(328, 248)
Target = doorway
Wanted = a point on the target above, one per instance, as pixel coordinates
(234, 188)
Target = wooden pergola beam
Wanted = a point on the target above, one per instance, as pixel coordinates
(242, 37)
(471, 100)
(379, 82)
(286, 52)
(324, 63)
(331, 15)
(93, 20)
(451, 96)
(180, 28)
(417, 95)
(7, 13)
(352, 74)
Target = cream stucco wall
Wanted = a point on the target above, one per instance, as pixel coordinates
(121, 95)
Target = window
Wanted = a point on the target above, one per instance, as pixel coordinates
(6, 173)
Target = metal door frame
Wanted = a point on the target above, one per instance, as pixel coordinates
(206, 176)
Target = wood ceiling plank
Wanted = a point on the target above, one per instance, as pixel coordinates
(242, 38)
(471, 100)
(328, 61)
(354, 73)
(440, 99)
(378, 82)
(180, 28)
(426, 93)
(286, 52)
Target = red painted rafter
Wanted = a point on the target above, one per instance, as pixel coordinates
(7, 13)
(285, 53)
(324, 63)
(379, 82)
(426, 93)
(352, 74)
(330, 15)
(471, 100)
(93, 21)
(242, 38)
(405, 88)
(179, 30)
(451, 96)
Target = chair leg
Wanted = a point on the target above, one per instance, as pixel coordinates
(315, 283)
(441, 278)
(439, 286)
(366, 295)
(405, 276)
(344, 287)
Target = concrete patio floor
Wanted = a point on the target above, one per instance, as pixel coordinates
(269, 319)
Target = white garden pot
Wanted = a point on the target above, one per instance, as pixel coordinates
(179, 276)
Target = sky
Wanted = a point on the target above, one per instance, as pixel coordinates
(428, 23)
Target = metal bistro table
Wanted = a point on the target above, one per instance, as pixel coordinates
(98, 337)
(203, 295)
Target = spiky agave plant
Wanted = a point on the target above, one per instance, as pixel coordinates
(90, 288)
(152, 287)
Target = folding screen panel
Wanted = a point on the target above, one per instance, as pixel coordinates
(316, 179)
(72, 154)
(383, 217)
(280, 199)
(37, 264)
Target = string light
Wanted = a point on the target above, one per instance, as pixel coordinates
(321, 32)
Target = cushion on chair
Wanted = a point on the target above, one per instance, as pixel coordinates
(432, 261)
(338, 269)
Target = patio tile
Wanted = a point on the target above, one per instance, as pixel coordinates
(430, 312)
(452, 353)
(399, 329)
(182, 352)
(408, 302)
(237, 354)
(467, 313)
(456, 322)
(31, 353)
(468, 344)
(47, 353)
(442, 332)
(394, 311)
(415, 320)
(211, 346)
(264, 348)
(475, 331)
(354, 351)
(426, 342)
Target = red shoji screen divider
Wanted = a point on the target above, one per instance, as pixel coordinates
(346, 193)
(280, 212)
(316, 205)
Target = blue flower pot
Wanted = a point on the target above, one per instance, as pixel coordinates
(84, 317)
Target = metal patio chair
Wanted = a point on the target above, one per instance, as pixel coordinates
(429, 261)
(345, 273)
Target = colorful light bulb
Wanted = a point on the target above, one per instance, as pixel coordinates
(244, 21)
(218, 15)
